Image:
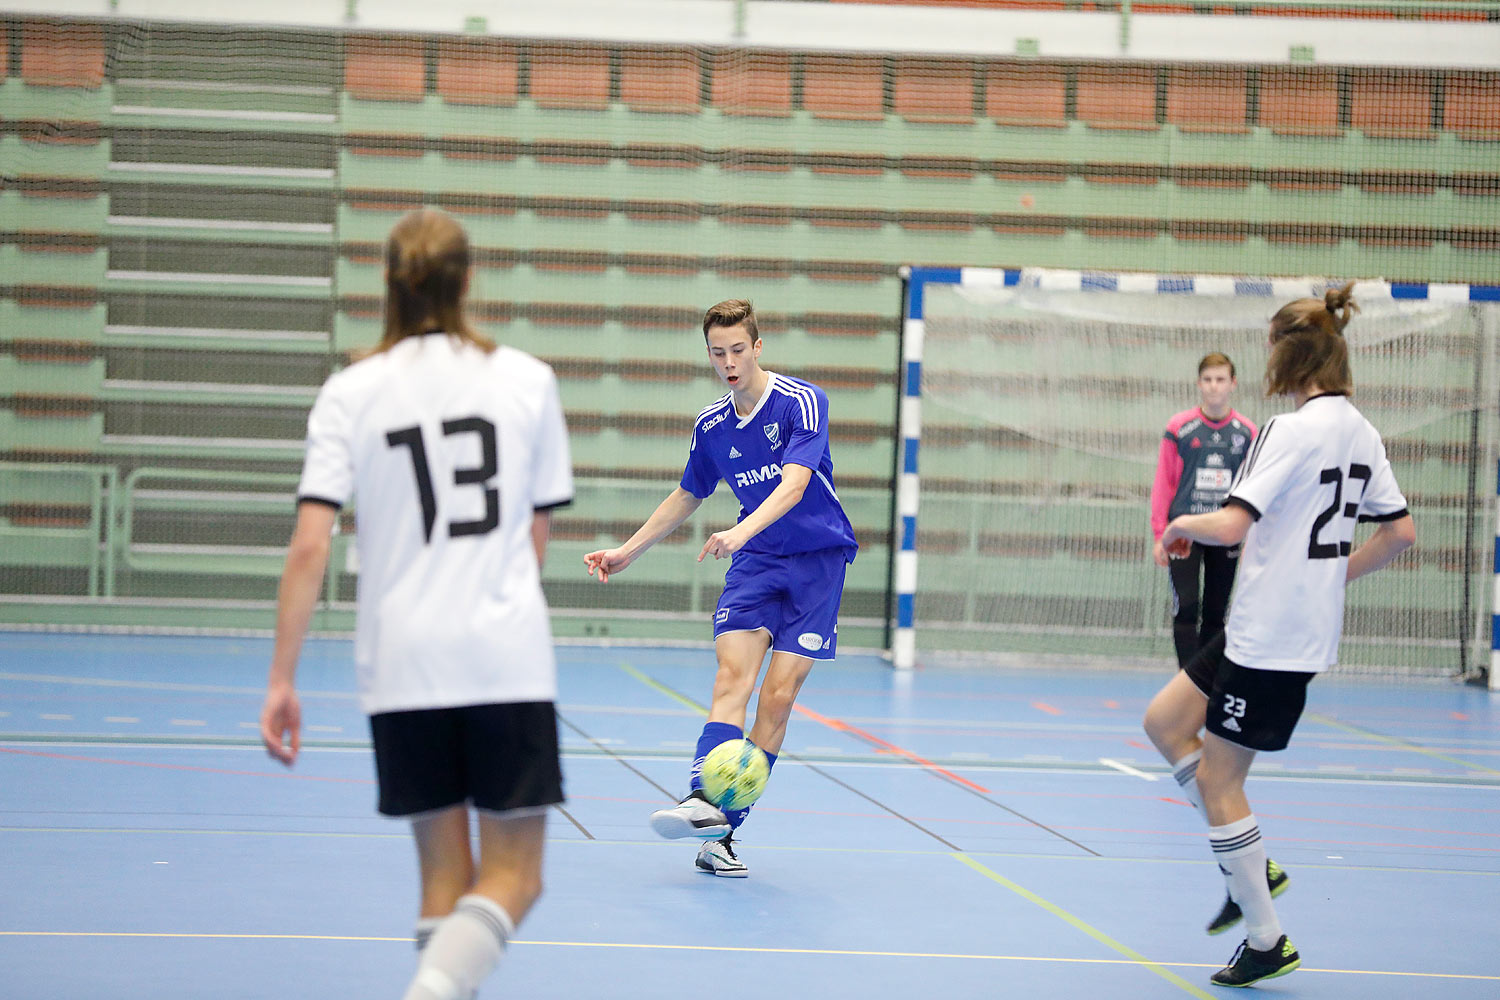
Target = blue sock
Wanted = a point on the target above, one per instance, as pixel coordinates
(714, 733)
(737, 816)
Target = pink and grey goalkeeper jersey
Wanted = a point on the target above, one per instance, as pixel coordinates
(1196, 464)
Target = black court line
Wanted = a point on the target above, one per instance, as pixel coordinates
(621, 760)
(668, 689)
(875, 802)
(572, 819)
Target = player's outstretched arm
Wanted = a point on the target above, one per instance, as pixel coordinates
(1390, 539)
(301, 580)
(668, 516)
(794, 480)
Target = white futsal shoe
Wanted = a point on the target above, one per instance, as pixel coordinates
(716, 857)
(694, 816)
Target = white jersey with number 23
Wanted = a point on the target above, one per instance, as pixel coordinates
(1310, 476)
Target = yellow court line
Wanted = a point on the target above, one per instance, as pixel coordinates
(663, 689)
(732, 949)
(1400, 744)
(1057, 911)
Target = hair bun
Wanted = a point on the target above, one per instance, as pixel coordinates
(1341, 305)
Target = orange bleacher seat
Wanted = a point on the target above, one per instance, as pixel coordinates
(477, 71)
(1471, 105)
(62, 55)
(931, 90)
(570, 76)
(1028, 94)
(660, 80)
(1117, 97)
(1207, 99)
(844, 87)
(1300, 101)
(385, 69)
(752, 83)
(1392, 104)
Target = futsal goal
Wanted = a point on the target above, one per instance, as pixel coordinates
(1034, 402)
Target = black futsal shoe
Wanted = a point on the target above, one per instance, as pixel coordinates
(1249, 966)
(1276, 880)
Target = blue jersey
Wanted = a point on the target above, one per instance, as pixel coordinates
(788, 425)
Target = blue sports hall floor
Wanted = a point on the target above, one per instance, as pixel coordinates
(954, 832)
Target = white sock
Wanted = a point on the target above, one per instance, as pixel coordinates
(1186, 773)
(463, 951)
(1242, 858)
(424, 930)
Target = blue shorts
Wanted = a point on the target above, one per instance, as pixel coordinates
(793, 597)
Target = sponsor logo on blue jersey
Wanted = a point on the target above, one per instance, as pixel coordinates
(764, 474)
(712, 421)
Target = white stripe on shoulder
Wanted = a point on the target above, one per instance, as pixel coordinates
(806, 398)
(716, 404)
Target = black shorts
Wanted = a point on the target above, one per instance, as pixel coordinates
(1257, 709)
(500, 757)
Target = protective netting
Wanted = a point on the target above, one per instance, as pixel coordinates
(193, 214)
(1043, 412)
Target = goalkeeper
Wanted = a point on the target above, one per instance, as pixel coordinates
(768, 439)
(1200, 452)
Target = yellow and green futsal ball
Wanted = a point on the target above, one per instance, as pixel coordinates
(734, 774)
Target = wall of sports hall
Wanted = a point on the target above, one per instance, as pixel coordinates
(195, 197)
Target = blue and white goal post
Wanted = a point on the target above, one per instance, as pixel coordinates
(1032, 408)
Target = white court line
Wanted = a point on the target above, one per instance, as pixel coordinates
(121, 718)
(56, 717)
(1126, 768)
(189, 722)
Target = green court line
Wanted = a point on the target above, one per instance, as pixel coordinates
(1397, 742)
(661, 688)
(781, 848)
(1135, 957)
(111, 682)
(733, 949)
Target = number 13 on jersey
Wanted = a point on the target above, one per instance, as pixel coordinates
(479, 476)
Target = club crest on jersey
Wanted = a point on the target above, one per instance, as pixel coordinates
(713, 421)
(773, 435)
(1236, 443)
(764, 474)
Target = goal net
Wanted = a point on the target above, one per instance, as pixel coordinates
(1043, 400)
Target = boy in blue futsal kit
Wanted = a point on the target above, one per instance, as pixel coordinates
(768, 439)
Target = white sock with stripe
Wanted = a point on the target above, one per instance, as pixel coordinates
(1242, 858)
(463, 951)
(424, 931)
(1186, 773)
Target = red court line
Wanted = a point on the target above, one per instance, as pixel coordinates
(844, 727)
(184, 767)
(1042, 706)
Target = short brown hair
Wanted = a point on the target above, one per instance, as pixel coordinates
(731, 312)
(1308, 346)
(1217, 359)
(426, 280)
